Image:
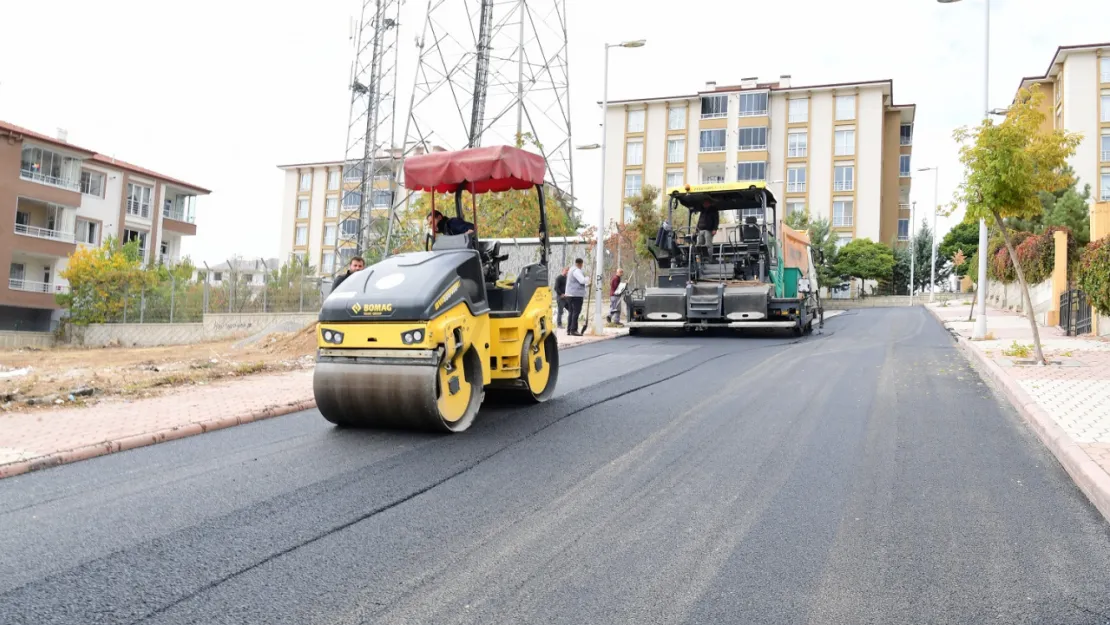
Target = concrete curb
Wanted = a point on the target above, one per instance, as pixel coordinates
(104, 448)
(1085, 472)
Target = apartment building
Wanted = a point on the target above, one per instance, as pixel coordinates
(57, 196)
(320, 206)
(839, 151)
(1077, 99)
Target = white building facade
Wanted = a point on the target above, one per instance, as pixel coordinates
(840, 152)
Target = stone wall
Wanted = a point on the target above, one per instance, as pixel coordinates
(1008, 297)
(41, 340)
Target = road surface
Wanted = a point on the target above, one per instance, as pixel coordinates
(863, 476)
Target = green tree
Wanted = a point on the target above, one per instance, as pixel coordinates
(866, 260)
(1007, 166)
(100, 279)
(964, 237)
(923, 255)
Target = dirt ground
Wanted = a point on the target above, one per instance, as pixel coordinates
(80, 376)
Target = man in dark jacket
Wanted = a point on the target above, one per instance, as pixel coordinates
(561, 296)
(452, 226)
(708, 221)
(357, 264)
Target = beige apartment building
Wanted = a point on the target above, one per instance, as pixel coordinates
(320, 206)
(1077, 99)
(839, 151)
(57, 196)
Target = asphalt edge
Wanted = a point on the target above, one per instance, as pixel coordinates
(103, 448)
(1091, 479)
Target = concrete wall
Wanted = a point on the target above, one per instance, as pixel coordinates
(214, 327)
(888, 301)
(1008, 296)
(11, 340)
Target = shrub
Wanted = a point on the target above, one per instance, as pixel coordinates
(1093, 274)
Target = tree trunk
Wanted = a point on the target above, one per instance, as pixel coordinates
(974, 300)
(1037, 353)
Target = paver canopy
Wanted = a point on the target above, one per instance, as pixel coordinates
(477, 170)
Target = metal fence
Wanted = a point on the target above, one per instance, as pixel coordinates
(1075, 313)
(179, 301)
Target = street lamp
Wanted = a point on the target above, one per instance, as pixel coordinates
(913, 246)
(600, 251)
(933, 246)
(980, 330)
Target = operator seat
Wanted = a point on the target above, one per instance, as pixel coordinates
(749, 232)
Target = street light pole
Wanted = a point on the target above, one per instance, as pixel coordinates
(980, 329)
(913, 246)
(599, 252)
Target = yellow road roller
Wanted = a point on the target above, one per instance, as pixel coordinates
(418, 339)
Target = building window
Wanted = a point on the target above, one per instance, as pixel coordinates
(348, 228)
(797, 144)
(753, 139)
(92, 183)
(795, 179)
(799, 110)
(676, 118)
(904, 229)
(353, 173)
(845, 142)
(352, 200)
(751, 171)
(302, 235)
(333, 180)
(844, 177)
(138, 200)
(634, 153)
(845, 107)
(1105, 185)
(136, 235)
(713, 140)
(674, 179)
(302, 209)
(676, 150)
(633, 183)
(711, 178)
(714, 106)
(636, 120)
(381, 198)
(327, 262)
(331, 207)
(842, 213)
(842, 240)
(88, 232)
(904, 165)
(1104, 68)
(629, 215)
(795, 207)
(753, 104)
(217, 276)
(306, 182)
(330, 231)
(906, 135)
(1106, 106)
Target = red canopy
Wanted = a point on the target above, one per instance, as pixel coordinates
(482, 170)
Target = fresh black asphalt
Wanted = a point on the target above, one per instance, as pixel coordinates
(865, 475)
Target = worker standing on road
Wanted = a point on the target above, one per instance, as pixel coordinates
(708, 221)
(615, 297)
(561, 296)
(576, 292)
(357, 264)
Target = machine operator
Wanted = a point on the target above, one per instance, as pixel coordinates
(449, 226)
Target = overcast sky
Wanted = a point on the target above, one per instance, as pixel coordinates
(220, 92)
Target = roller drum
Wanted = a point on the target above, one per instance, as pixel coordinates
(388, 396)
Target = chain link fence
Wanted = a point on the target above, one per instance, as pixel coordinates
(180, 301)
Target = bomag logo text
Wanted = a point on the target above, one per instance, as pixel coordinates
(446, 296)
(372, 310)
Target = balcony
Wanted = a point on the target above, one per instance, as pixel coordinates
(50, 168)
(906, 141)
(711, 148)
(904, 206)
(843, 186)
(44, 220)
(1106, 156)
(796, 153)
(181, 207)
(795, 187)
(45, 233)
(28, 286)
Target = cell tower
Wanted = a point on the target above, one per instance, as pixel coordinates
(490, 72)
(371, 128)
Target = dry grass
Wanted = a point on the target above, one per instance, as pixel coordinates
(143, 371)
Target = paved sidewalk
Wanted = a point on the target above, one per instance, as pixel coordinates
(40, 439)
(1066, 402)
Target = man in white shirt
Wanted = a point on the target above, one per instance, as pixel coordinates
(576, 291)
